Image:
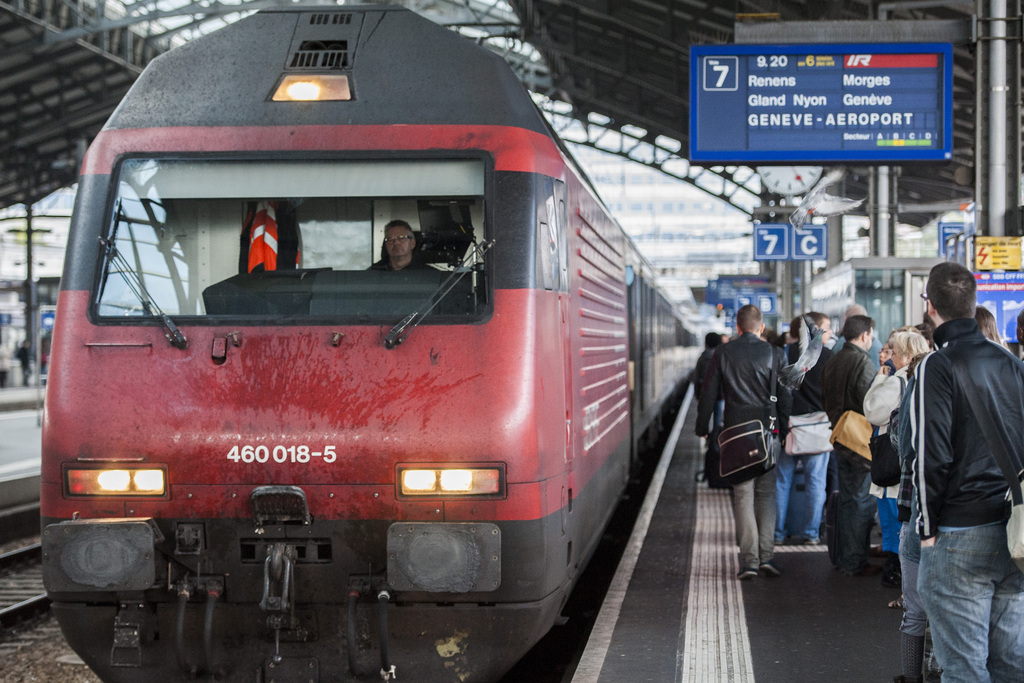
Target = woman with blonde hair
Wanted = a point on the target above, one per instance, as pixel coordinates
(883, 397)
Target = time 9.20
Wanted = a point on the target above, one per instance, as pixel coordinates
(764, 61)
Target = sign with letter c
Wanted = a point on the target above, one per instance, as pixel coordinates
(810, 243)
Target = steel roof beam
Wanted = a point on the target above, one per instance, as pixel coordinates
(736, 185)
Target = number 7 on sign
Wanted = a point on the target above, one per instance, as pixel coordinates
(721, 73)
(771, 242)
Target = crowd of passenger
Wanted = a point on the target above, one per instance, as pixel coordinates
(914, 433)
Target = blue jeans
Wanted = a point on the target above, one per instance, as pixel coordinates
(973, 594)
(888, 519)
(815, 471)
(914, 619)
(856, 511)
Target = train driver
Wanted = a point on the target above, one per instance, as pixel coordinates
(399, 243)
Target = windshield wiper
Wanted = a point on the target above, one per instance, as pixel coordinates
(400, 331)
(171, 331)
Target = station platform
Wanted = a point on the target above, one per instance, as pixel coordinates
(21, 398)
(19, 459)
(676, 611)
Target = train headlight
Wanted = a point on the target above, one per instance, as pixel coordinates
(460, 481)
(116, 482)
(151, 481)
(419, 481)
(313, 88)
(451, 481)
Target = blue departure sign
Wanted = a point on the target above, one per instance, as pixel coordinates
(810, 243)
(782, 242)
(954, 251)
(767, 302)
(771, 242)
(882, 103)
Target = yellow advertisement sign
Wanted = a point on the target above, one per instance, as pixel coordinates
(997, 253)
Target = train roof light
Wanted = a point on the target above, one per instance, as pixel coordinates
(313, 87)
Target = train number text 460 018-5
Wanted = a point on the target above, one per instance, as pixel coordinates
(280, 454)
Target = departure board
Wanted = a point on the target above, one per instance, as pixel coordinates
(878, 103)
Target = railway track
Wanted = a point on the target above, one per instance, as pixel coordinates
(22, 597)
(32, 647)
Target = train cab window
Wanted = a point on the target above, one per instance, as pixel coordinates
(293, 239)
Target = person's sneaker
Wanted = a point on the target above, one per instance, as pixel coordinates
(746, 573)
(812, 541)
(769, 568)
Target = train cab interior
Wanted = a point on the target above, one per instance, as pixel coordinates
(293, 239)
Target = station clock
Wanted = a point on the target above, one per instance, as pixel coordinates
(789, 181)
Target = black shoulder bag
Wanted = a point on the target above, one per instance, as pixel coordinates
(885, 461)
(750, 449)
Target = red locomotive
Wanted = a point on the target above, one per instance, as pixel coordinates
(283, 441)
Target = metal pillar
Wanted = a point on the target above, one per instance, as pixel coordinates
(785, 290)
(881, 223)
(30, 282)
(997, 89)
(835, 241)
(806, 304)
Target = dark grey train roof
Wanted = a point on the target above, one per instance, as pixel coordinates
(403, 69)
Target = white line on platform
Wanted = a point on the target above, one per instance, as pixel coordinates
(713, 641)
(592, 661)
(801, 548)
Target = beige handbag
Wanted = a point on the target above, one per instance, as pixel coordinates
(854, 432)
(809, 434)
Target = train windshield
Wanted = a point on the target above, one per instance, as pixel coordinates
(367, 240)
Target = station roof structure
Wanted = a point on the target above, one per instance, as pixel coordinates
(612, 74)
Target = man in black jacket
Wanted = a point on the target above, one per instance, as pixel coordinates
(740, 372)
(846, 378)
(972, 591)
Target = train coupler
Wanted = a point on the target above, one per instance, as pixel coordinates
(277, 578)
(277, 599)
(132, 625)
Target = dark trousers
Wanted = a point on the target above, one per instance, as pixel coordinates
(856, 511)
